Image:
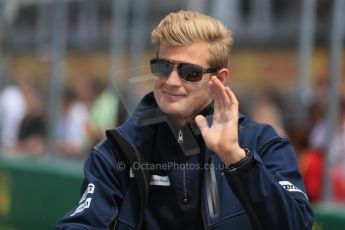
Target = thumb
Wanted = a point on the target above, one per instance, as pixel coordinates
(201, 122)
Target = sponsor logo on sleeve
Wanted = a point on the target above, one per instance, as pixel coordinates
(83, 206)
(85, 202)
(290, 187)
(89, 190)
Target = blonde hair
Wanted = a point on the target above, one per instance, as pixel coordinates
(186, 27)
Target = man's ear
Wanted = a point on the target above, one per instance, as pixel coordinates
(223, 75)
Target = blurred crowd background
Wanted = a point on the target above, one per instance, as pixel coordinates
(70, 69)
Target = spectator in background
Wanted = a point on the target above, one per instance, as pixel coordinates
(103, 111)
(12, 111)
(311, 140)
(72, 125)
(338, 157)
(313, 136)
(87, 110)
(311, 162)
(32, 135)
(267, 111)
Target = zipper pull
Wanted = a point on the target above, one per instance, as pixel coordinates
(180, 136)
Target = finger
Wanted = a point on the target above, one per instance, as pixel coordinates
(217, 96)
(201, 122)
(234, 103)
(217, 103)
(232, 97)
(221, 90)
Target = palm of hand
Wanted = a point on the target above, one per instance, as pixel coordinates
(221, 137)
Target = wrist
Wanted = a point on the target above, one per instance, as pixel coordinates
(243, 167)
(236, 155)
(242, 156)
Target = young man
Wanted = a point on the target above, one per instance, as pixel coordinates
(186, 158)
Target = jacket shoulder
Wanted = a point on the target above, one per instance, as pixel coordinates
(257, 134)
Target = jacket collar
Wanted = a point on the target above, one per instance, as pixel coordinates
(138, 127)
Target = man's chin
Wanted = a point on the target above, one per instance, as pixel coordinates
(178, 112)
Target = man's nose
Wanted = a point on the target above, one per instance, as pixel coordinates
(174, 78)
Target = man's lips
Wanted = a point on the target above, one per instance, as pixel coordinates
(173, 94)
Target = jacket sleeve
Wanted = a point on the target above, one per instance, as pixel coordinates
(101, 193)
(270, 185)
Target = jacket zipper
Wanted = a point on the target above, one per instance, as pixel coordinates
(185, 194)
(180, 136)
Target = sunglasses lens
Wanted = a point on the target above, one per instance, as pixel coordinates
(161, 68)
(190, 72)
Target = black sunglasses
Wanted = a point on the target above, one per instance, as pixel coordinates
(187, 71)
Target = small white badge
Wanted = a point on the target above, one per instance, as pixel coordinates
(160, 180)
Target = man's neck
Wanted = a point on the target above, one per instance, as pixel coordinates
(181, 121)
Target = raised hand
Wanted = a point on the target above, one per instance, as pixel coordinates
(222, 137)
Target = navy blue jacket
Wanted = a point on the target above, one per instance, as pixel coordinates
(264, 192)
